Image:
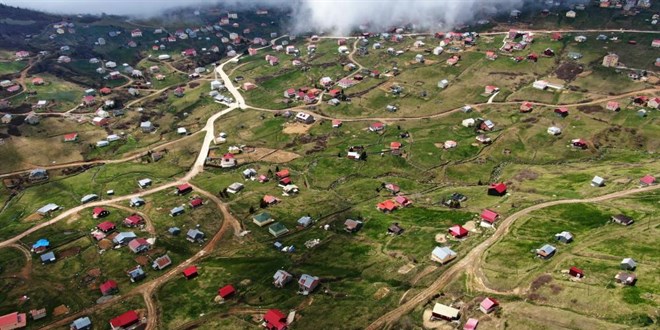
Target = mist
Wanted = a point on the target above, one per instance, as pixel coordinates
(331, 16)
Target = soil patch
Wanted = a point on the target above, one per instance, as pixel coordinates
(95, 272)
(540, 281)
(405, 269)
(60, 310)
(526, 175)
(590, 108)
(33, 217)
(470, 225)
(268, 155)
(105, 244)
(296, 128)
(381, 293)
(568, 71)
(70, 252)
(441, 238)
(142, 260)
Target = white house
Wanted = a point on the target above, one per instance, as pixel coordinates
(468, 122)
(554, 130)
(443, 83)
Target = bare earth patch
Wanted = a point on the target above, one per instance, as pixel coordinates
(142, 260)
(268, 155)
(381, 293)
(405, 269)
(60, 310)
(470, 225)
(73, 218)
(441, 238)
(33, 217)
(296, 128)
(70, 252)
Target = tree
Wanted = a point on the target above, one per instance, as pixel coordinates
(363, 156)
(277, 168)
(251, 209)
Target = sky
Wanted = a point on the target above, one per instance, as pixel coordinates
(331, 16)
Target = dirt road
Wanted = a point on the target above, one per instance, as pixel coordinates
(470, 261)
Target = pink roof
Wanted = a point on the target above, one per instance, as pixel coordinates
(13, 321)
(133, 220)
(336, 122)
(612, 105)
(395, 145)
(647, 179)
(136, 243)
(377, 125)
(97, 210)
(471, 324)
(489, 215)
(402, 200)
(489, 303)
(458, 231)
(196, 202)
(183, 187)
(88, 98)
(291, 91)
(270, 199)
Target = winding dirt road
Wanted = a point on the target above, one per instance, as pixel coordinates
(471, 260)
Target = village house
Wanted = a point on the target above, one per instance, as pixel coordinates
(13, 320)
(108, 288)
(139, 245)
(622, 219)
(443, 255)
(147, 127)
(270, 200)
(488, 218)
(610, 60)
(274, 319)
(546, 251)
(235, 187)
(196, 202)
(613, 106)
(376, 127)
(277, 229)
(281, 278)
(564, 237)
(136, 202)
(48, 209)
(304, 118)
(226, 291)
(161, 262)
(106, 226)
(195, 235)
(248, 86)
(262, 219)
(490, 89)
(48, 258)
(82, 323)
(352, 226)
(647, 180)
(307, 283)
(177, 211)
(99, 212)
(124, 238)
(576, 272)
(628, 264)
(457, 231)
(561, 112)
(133, 220)
(40, 246)
(125, 321)
(471, 324)
(444, 312)
(88, 198)
(488, 305)
(597, 181)
(554, 130)
(526, 107)
(497, 189)
(469, 122)
(579, 143)
(387, 206)
(403, 201)
(144, 183)
(305, 222)
(625, 278)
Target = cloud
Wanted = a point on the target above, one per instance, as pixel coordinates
(331, 16)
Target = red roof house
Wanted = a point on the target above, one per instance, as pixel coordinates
(556, 36)
(497, 189)
(190, 272)
(274, 319)
(387, 206)
(576, 272)
(334, 92)
(282, 174)
(458, 231)
(489, 216)
(269, 199)
(124, 320)
(647, 180)
(105, 90)
(100, 212)
(37, 81)
(70, 137)
(133, 220)
(226, 291)
(613, 105)
(106, 226)
(395, 145)
(13, 320)
(526, 107)
(488, 305)
(471, 324)
(196, 202)
(183, 189)
(562, 111)
(375, 127)
(109, 287)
